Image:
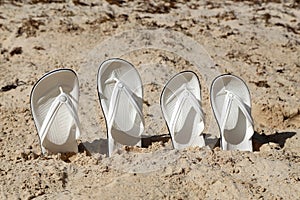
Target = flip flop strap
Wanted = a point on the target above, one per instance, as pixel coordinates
(61, 99)
(185, 95)
(229, 98)
(115, 97)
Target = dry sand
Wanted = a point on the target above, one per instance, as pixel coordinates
(258, 40)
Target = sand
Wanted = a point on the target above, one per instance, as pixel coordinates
(257, 40)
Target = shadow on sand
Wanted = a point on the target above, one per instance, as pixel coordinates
(101, 146)
(96, 146)
(148, 141)
(278, 138)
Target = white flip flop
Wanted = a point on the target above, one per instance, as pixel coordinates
(181, 107)
(231, 104)
(54, 103)
(121, 97)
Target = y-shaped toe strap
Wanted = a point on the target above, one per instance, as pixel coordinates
(184, 94)
(115, 97)
(61, 99)
(229, 98)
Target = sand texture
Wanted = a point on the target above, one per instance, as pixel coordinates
(257, 40)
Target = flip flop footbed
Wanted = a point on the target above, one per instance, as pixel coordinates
(121, 97)
(181, 107)
(231, 103)
(62, 131)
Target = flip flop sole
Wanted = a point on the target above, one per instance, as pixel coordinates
(127, 125)
(62, 133)
(236, 130)
(187, 129)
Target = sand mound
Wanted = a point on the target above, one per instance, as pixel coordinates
(256, 40)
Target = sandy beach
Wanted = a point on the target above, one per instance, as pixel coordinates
(257, 40)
